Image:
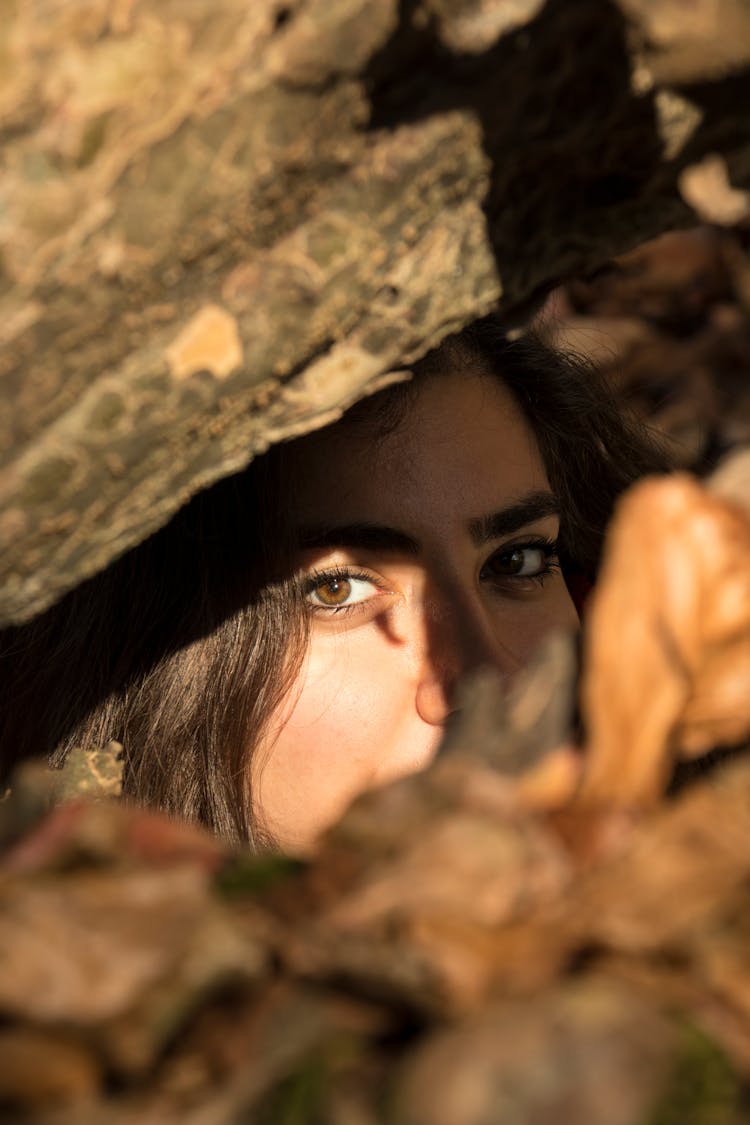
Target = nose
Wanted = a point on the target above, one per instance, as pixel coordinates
(458, 640)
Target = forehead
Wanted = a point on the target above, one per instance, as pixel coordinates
(460, 447)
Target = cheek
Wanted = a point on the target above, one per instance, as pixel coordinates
(353, 686)
(343, 721)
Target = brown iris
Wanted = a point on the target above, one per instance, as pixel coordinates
(512, 561)
(508, 563)
(334, 591)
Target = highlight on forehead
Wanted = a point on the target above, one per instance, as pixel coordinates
(380, 414)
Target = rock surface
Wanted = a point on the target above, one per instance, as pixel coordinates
(221, 222)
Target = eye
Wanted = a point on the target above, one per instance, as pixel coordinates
(522, 560)
(340, 590)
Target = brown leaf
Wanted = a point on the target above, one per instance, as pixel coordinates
(680, 872)
(126, 953)
(667, 645)
(80, 833)
(43, 1069)
(588, 1053)
(707, 188)
(415, 921)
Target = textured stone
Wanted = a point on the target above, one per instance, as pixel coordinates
(336, 184)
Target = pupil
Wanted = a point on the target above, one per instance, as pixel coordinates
(509, 563)
(515, 562)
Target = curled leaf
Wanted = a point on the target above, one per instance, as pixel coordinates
(668, 639)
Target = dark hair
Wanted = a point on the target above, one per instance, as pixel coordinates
(184, 648)
(177, 650)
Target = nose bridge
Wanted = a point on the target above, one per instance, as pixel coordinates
(460, 637)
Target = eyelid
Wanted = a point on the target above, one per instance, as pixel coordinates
(341, 572)
(536, 541)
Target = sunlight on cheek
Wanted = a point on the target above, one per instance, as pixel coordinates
(340, 725)
(349, 718)
(328, 679)
(346, 700)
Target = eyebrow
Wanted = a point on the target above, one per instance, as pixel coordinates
(527, 509)
(364, 536)
(378, 537)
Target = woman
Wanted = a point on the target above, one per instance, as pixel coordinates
(296, 634)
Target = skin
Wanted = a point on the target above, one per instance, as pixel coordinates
(436, 590)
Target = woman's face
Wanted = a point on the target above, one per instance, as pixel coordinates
(425, 553)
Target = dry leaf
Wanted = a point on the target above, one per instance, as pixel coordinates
(125, 953)
(587, 1054)
(667, 644)
(706, 187)
(45, 1069)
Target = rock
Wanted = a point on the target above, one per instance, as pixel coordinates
(224, 222)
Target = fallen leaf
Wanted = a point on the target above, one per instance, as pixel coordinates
(667, 640)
